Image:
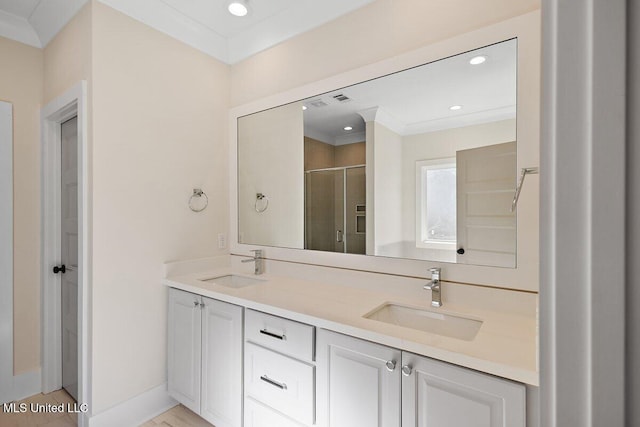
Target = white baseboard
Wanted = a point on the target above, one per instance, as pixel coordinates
(27, 384)
(135, 411)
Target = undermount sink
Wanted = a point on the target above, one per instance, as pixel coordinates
(448, 325)
(233, 281)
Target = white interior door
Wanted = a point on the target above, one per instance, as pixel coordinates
(69, 251)
(486, 229)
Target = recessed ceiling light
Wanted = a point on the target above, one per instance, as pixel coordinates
(304, 107)
(238, 8)
(455, 107)
(348, 128)
(476, 60)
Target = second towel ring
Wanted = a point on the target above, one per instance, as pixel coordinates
(265, 202)
(197, 194)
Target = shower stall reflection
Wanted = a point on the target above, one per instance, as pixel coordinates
(335, 209)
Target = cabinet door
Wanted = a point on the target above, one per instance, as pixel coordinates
(439, 394)
(355, 386)
(184, 348)
(221, 402)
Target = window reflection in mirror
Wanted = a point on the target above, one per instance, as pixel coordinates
(418, 164)
(436, 203)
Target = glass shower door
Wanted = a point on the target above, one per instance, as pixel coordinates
(335, 210)
(324, 210)
(355, 210)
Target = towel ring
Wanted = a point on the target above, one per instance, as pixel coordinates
(197, 194)
(265, 199)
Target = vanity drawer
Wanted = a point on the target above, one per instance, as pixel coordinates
(258, 415)
(285, 384)
(282, 335)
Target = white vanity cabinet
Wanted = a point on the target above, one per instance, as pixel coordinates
(184, 350)
(205, 357)
(367, 384)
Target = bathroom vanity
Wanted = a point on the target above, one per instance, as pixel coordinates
(278, 350)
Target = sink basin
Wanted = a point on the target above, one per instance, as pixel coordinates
(233, 281)
(449, 325)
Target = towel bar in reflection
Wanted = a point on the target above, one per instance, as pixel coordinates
(523, 173)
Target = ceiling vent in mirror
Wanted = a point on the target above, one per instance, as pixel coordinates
(341, 97)
(318, 103)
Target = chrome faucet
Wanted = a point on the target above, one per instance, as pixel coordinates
(258, 259)
(434, 287)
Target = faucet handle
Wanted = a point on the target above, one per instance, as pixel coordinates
(257, 253)
(435, 272)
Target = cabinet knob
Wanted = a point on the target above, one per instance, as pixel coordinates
(391, 365)
(406, 370)
(59, 269)
(460, 251)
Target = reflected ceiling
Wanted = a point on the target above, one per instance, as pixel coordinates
(486, 92)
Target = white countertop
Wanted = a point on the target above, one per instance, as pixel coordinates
(506, 344)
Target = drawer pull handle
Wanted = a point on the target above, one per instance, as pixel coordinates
(281, 386)
(272, 335)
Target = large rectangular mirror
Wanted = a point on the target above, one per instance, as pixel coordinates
(419, 164)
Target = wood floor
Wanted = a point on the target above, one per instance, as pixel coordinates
(178, 416)
(45, 419)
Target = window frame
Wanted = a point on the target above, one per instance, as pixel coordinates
(421, 203)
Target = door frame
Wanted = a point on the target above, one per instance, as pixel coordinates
(6, 267)
(71, 103)
(582, 213)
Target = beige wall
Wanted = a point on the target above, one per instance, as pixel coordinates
(159, 130)
(387, 189)
(21, 85)
(67, 58)
(380, 30)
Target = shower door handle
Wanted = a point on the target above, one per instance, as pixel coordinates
(339, 236)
